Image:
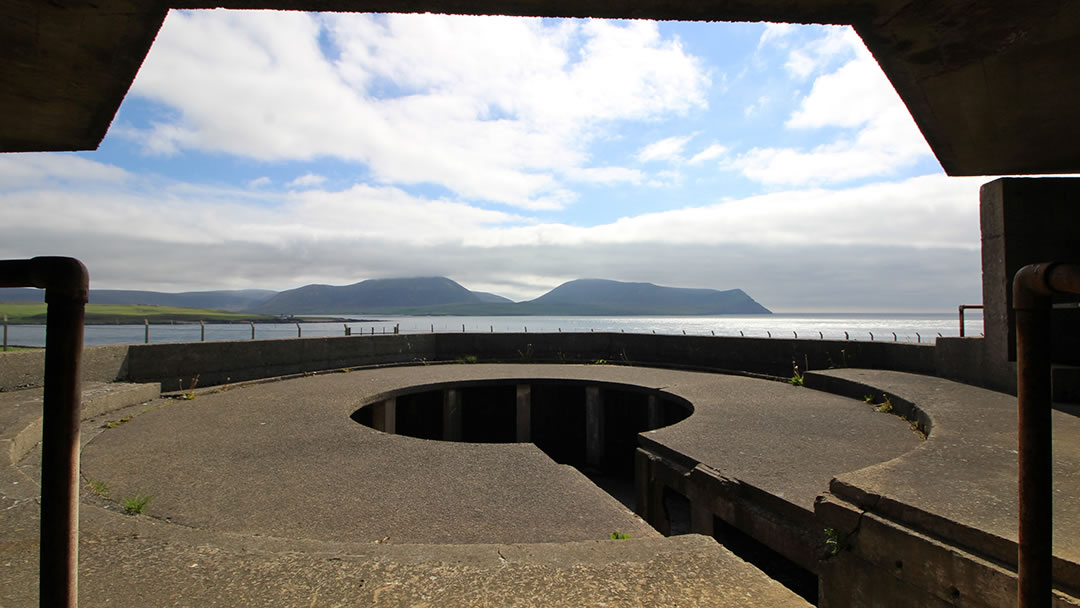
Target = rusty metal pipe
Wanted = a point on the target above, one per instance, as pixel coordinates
(1033, 287)
(66, 283)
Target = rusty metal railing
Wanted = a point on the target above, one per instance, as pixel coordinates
(1033, 287)
(66, 284)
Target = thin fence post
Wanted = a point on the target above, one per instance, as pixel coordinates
(299, 333)
(432, 328)
(894, 336)
(5, 333)
(252, 323)
(202, 331)
(397, 328)
(462, 328)
(845, 335)
(146, 332)
(918, 337)
(820, 336)
(796, 335)
(768, 332)
(871, 335)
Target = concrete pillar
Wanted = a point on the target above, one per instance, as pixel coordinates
(701, 517)
(594, 427)
(1024, 221)
(655, 413)
(451, 415)
(649, 474)
(384, 416)
(524, 413)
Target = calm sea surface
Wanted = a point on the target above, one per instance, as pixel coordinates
(924, 327)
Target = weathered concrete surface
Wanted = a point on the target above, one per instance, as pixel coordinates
(215, 462)
(140, 561)
(292, 444)
(151, 560)
(20, 411)
(960, 487)
(26, 368)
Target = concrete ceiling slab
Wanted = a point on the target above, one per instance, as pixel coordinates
(991, 83)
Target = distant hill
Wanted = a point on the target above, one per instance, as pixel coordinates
(439, 296)
(231, 300)
(603, 297)
(375, 295)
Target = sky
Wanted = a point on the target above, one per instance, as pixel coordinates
(275, 149)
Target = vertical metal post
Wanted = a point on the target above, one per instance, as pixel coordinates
(298, 332)
(60, 450)
(202, 331)
(5, 333)
(1033, 287)
(1036, 465)
(146, 333)
(252, 329)
(961, 320)
(66, 285)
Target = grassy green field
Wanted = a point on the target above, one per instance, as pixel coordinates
(34, 313)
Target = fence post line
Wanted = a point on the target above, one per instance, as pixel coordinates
(146, 332)
(202, 331)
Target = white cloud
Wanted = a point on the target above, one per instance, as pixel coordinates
(307, 180)
(38, 168)
(753, 108)
(259, 182)
(776, 31)
(853, 216)
(667, 149)
(606, 175)
(858, 97)
(712, 152)
(490, 108)
(915, 234)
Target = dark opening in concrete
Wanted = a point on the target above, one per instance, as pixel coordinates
(677, 508)
(778, 567)
(591, 426)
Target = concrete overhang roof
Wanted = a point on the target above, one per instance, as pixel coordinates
(992, 84)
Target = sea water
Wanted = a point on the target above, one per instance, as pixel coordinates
(907, 327)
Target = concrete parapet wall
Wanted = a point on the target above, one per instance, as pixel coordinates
(26, 368)
(771, 356)
(175, 365)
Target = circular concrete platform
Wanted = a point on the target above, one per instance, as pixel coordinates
(284, 459)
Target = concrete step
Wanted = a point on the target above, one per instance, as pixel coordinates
(20, 411)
